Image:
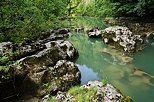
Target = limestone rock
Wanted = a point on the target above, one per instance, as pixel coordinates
(49, 66)
(60, 77)
(122, 37)
(15, 51)
(28, 49)
(94, 33)
(56, 50)
(104, 93)
(6, 48)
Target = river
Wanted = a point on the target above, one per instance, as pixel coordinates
(135, 79)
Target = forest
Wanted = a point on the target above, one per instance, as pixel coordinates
(23, 20)
(76, 50)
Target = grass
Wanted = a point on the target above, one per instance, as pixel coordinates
(79, 94)
(82, 94)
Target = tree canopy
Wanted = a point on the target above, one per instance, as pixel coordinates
(108, 8)
(25, 19)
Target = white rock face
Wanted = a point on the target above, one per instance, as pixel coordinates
(94, 33)
(123, 37)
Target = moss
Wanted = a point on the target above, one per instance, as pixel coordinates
(49, 87)
(82, 94)
(104, 82)
(52, 99)
(126, 99)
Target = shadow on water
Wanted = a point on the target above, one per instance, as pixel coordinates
(128, 77)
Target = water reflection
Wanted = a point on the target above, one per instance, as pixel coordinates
(128, 77)
(87, 74)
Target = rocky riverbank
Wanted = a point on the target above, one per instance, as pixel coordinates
(44, 68)
(93, 91)
(38, 68)
(141, 26)
(125, 34)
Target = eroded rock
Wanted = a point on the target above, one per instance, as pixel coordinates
(6, 48)
(103, 93)
(49, 66)
(123, 38)
(94, 33)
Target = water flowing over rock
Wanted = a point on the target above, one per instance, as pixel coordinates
(122, 37)
(104, 93)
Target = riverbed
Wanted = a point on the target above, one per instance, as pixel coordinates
(135, 79)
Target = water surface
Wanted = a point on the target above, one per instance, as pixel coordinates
(135, 79)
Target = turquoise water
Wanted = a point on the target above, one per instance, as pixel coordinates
(135, 79)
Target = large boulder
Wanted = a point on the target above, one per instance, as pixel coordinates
(10, 51)
(45, 80)
(24, 50)
(123, 38)
(36, 69)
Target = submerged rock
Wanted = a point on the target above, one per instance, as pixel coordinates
(122, 37)
(117, 54)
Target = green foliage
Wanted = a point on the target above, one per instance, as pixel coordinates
(6, 73)
(88, 22)
(126, 99)
(104, 82)
(112, 8)
(27, 18)
(52, 99)
(4, 59)
(49, 87)
(82, 94)
(79, 94)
